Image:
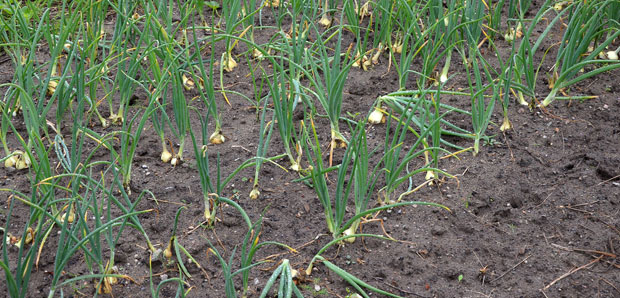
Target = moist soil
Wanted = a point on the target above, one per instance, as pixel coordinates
(534, 214)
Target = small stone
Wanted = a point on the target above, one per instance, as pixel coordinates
(317, 288)
(437, 231)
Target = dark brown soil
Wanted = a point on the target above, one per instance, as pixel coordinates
(535, 214)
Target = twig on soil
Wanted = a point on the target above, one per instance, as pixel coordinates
(572, 207)
(571, 272)
(575, 209)
(482, 294)
(610, 179)
(239, 146)
(513, 267)
(218, 240)
(167, 202)
(546, 198)
(483, 269)
(602, 253)
(399, 289)
(540, 160)
(609, 283)
(512, 156)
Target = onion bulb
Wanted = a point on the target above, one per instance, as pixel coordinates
(272, 3)
(430, 175)
(177, 160)
(168, 250)
(230, 63)
(362, 62)
(254, 193)
(217, 138)
(506, 125)
(294, 273)
(187, 83)
(375, 57)
(612, 55)
(51, 87)
(350, 231)
(376, 116)
(29, 235)
(257, 54)
(397, 48)
(23, 161)
(10, 162)
(166, 156)
(325, 21)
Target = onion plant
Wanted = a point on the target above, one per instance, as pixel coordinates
(181, 115)
(409, 38)
(471, 31)
(333, 205)
(525, 67)
(73, 43)
(286, 89)
(231, 11)
(505, 81)
(450, 38)
(249, 19)
(77, 235)
(351, 10)
(440, 39)
(481, 108)
(159, 118)
(12, 159)
(124, 43)
(590, 25)
(207, 89)
(396, 159)
(517, 10)
(329, 88)
(132, 128)
(364, 179)
(383, 25)
(175, 251)
(284, 92)
(264, 137)
(474, 62)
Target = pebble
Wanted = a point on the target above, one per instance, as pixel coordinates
(317, 288)
(164, 277)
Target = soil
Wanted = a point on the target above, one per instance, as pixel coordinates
(534, 214)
